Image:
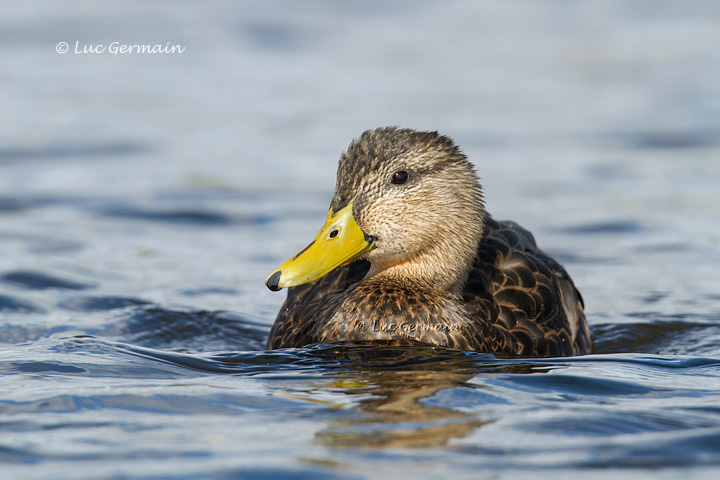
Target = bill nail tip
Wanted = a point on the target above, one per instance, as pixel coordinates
(273, 281)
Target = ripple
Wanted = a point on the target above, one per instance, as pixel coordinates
(18, 455)
(659, 334)
(609, 227)
(17, 204)
(54, 245)
(191, 217)
(18, 334)
(690, 448)
(625, 422)
(580, 386)
(192, 330)
(19, 305)
(201, 291)
(71, 151)
(41, 367)
(41, 281)
(674, 140)
(94, 304)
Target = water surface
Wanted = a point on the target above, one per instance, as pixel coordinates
(143, 200)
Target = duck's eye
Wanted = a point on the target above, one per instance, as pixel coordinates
(400, 177)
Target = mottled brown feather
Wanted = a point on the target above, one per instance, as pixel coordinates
(517, 301)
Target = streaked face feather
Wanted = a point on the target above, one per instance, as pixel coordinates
(427, 228)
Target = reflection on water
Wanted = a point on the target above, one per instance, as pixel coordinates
(394, 383)
(397, 416)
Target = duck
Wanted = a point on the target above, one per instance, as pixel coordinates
(408, 255)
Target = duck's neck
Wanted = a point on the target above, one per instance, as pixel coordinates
(438, 271)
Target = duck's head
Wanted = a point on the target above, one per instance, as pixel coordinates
(409, 202)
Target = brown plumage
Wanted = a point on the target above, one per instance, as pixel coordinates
(440, 270)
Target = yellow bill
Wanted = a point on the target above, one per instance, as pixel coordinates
(339, 241)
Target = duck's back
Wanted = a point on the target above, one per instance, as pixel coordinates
(517, 301)
(530, 296)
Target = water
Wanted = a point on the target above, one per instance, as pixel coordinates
(143, 200)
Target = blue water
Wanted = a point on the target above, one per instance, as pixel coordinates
(145, 198)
